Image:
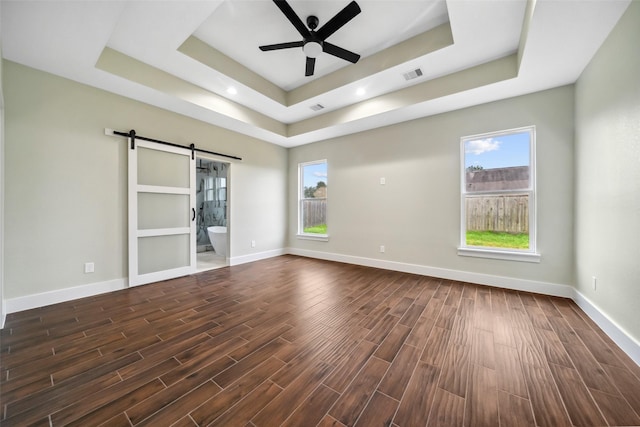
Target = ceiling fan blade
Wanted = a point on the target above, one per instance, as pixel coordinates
(282, 46)
(311, 64)
(341, 18)
(340, 52)
(293, 18)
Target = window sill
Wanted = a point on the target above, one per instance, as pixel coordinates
(316, 237)
(500, 254)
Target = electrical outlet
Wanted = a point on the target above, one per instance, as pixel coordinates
(383, 181)
(89, 267)
(593, 281)
(253, 243)
(381, 249)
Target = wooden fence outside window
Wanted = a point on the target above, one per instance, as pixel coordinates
(503, 213)
(314, 212)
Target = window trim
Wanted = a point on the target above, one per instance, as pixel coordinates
(300, 233)
(525, 255)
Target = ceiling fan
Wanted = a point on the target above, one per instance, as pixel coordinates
(314, 42)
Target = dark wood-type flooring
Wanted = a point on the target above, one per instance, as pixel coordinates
(301, 342)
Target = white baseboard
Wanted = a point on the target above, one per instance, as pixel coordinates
(243, 259)
(444, 273)
(625, 341)
(28, 302)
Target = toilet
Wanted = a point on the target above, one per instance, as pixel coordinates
(218, 238)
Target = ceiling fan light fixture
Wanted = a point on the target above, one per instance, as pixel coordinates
(314, 42)
(312, 49)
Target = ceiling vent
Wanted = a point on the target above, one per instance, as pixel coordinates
(317, 107)
(413, 74)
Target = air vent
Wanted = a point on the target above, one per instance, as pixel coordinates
(413, 74)
(317, 107)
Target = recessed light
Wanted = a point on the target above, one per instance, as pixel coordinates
(361, 91)
(232, 90)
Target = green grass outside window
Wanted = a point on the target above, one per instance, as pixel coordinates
(494, 239)
(316, 229)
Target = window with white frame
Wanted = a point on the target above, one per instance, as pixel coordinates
(312, 196)
(498, 195)
(215, 189)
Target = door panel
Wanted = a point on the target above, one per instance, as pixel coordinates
(158, 210)
(162, 168)
(161, 213)
(162, 253)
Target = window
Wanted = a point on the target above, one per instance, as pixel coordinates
(498, 195)
(312, 194)
(215, 189)
(209, 188)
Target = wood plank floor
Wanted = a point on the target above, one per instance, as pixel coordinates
(301, 342)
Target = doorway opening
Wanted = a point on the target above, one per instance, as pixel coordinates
(212, 236)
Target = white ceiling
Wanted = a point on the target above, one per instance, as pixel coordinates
(184, 55)
(237, 28)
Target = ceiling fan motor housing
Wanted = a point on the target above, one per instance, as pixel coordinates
(312, 22)
(312, 45)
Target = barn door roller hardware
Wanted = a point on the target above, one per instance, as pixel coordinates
(132, 136)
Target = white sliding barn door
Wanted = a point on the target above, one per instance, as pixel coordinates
(161, 213)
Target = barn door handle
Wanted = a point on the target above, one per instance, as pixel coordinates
(193, 210)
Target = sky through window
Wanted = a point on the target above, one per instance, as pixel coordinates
(498, 151)
(314, 173)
